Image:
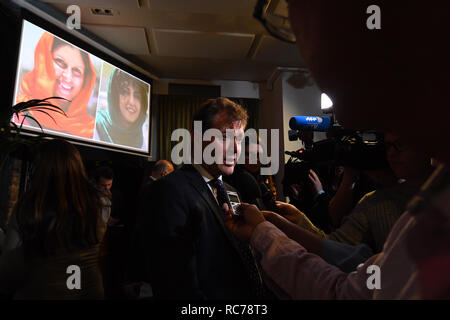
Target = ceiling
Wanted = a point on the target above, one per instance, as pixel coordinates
(190, 39)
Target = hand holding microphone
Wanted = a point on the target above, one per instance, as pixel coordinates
(242, 226)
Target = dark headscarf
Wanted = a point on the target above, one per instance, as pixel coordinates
(109, 123)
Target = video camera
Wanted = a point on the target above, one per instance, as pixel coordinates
(360, 150)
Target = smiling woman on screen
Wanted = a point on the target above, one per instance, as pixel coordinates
(62, 70)
(122, 122)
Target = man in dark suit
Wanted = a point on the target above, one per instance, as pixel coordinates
(159, 170)
(190, 252)
(136, 274)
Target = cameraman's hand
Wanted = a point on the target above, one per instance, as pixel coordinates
(314, 183)
(289, 212)
(242, 226)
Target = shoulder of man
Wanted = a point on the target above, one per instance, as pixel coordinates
(176, 180)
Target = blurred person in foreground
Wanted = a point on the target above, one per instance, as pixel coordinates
(58, 223)
(364, 71)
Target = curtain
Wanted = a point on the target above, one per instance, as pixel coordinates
(173, 112)
(177, 112)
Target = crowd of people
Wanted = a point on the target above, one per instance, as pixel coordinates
(189, 242)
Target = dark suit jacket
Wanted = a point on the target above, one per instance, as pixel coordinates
(136, 269)
(190, 252)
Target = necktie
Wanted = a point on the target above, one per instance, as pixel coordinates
(244, 247)
(221, 193)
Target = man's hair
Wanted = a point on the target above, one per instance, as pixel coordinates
(160, 166)
(211, 108)
(104, 172)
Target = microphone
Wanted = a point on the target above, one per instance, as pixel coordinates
(247, 186)
(253, 192)
(313, 123)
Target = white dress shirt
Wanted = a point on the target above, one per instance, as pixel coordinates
(207, 177)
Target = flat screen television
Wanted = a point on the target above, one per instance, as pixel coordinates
(106, 106)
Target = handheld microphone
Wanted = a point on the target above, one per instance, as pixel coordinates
(249, 189)
(313, 123)
(234, 201)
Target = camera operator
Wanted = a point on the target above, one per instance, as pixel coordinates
(327, 199)
(344, 198)
(376, 213)
(306, 193)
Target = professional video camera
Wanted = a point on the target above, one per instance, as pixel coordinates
(360, 150)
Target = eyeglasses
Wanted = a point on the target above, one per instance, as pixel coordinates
(276, 25)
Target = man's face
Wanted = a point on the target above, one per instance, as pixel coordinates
(104, 184)
(229, 144)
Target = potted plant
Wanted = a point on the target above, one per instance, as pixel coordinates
(11, 139)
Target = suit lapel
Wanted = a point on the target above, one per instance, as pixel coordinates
(196, 180)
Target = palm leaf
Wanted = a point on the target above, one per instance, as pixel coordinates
(32, 118)
(10, 138)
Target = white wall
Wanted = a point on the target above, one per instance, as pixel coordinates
(299, 102)
(279, 102)
(231, 89)
(271, 117)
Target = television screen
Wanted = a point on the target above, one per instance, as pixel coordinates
(104, 105)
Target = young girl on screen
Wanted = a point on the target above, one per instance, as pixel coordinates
(127, 105)
(62, 70)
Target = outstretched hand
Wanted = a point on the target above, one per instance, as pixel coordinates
(242, 226)
(289, 212)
